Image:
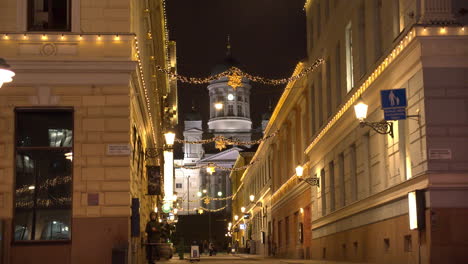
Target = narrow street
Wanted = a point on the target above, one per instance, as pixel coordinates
(246, 259)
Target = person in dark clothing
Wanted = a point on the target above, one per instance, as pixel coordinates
(153, 229)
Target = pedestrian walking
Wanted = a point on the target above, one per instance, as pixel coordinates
(153, 230)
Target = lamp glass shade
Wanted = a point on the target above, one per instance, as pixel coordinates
(218, 106)
(204, 191)
(6, 75)
(220, 193)
(170, 137)
(252, 197)
(242, 209)
(360, 109)
(236, 217)
(299, 171)
(199, 194)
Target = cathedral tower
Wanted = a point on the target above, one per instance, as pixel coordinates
(233, 119)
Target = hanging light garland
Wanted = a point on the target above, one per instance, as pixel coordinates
(221, 142)
(211, 210)
(235, 76)
(211, 167)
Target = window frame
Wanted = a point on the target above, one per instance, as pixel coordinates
(15, 151)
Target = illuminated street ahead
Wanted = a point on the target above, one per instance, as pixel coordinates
(246, 259)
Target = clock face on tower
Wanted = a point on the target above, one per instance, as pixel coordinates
(230, 97)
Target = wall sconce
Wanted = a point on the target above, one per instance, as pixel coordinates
(382, 127)
(6, 75)
(313, 181)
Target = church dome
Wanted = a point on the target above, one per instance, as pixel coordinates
(225, 65)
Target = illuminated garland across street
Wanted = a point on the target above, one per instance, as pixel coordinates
(212, 210)
(210, 167)
(235, 76)
(222, 141)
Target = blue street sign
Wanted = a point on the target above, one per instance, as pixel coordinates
(395, 113)
(393, 98)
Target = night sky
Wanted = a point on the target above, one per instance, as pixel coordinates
(267, 38)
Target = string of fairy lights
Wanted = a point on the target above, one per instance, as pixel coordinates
(221, 141)
(211, 167)
(236, 75)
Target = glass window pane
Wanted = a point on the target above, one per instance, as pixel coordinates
(44, 129)
(47, 15)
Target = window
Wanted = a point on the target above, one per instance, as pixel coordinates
(43, 180)
(342, 179)
(279, 233)
(49, 15)
(349, 58)
(362, 40)
(230, 110)
(239, 110)
(239, 98)
(377, 29)
(353, 167)
(328, 87)
(338, 74)
(331, 167)
(178, 185)
(320, 98)
(323, 186)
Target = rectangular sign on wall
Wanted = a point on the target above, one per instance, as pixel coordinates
(154, 180)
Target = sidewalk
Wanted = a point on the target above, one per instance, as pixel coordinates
(291, 261)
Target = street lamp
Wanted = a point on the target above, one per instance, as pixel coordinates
(220, 194)
(313, 181)
(199, 194)
(236, 217)
(242, 209)
(170, 138)
(6, 75)
(204, 190)
(252, 198)
(382, 127)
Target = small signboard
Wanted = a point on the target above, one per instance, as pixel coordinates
(440, 154)
(242, 226)
(194, 253)
(393, 98)
(118, 149)
(395, 113)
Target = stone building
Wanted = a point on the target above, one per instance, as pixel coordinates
(83, 109)
(361, 208)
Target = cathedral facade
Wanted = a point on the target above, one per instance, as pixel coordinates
(229, 117)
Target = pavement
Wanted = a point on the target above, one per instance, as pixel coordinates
(247, 259)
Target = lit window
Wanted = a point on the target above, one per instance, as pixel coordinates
(43, 180)
(349, 58)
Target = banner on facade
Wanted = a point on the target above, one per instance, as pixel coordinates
(154, 180)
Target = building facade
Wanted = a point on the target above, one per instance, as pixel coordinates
(84, 107)
(361, 208)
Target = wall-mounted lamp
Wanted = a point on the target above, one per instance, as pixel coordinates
(382, 127)
(6, 75)
(313, 181)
